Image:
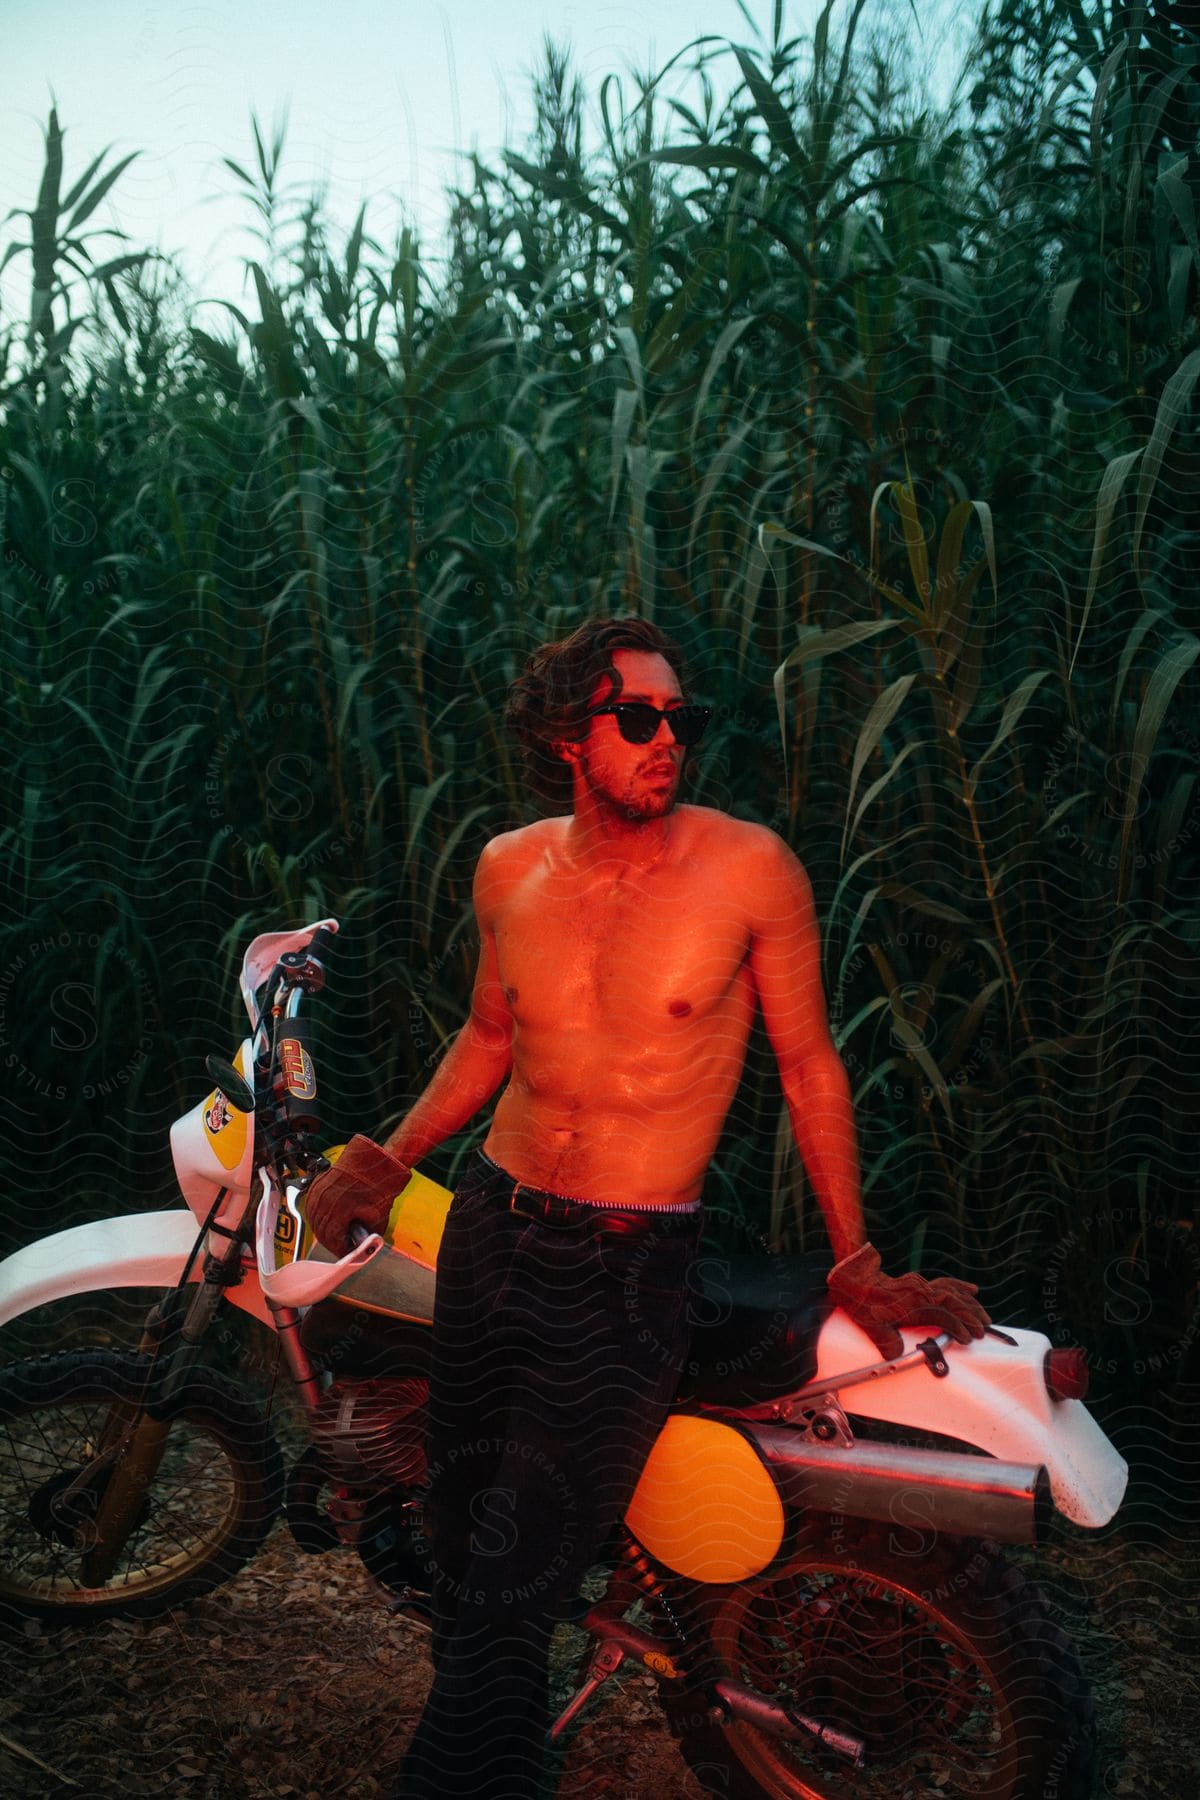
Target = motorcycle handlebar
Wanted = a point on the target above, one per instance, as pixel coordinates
(288, 1063)
(320, 944)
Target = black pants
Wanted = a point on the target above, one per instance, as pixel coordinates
(557, 1350)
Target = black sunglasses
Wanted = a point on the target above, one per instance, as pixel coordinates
(638, 721)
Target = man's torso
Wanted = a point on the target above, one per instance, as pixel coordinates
(632, 1001)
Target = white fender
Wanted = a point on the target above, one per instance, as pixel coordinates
(994, 1397)
(138, 1250)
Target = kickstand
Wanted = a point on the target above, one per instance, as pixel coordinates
(606, 1659)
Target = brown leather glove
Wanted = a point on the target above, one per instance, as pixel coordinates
(360, 1187)
(879, 1303)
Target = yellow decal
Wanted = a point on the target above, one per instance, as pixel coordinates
(225, 1129)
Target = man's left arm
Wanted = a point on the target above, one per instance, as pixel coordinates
(785, 962)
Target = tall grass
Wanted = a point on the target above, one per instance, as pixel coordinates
(886, 412)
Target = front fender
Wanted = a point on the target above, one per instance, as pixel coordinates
(138, 1250)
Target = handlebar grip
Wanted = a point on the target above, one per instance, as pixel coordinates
(356, 1233)
(321, 943)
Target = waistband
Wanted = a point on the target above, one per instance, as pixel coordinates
(554, 1208)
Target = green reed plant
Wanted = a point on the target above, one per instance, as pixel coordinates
(886, 411)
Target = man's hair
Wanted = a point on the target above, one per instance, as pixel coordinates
(548, 701)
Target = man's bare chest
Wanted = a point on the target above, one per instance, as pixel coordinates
(651, 948)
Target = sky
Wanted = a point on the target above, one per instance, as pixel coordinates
(380, 95)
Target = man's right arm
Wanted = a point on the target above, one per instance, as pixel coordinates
(480, 1057)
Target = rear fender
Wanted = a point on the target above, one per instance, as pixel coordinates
(138, 1250)
(993, 1396)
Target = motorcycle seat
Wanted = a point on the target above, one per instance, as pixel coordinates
(755, 1321)
(754, 1324)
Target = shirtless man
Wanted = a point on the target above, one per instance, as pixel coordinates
(623, 950)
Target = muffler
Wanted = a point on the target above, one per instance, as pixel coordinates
(918, 1490)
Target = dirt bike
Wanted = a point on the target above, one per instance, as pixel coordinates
(820, 1597)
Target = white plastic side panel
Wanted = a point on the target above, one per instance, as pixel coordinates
(212, 1147)
(139, 1250)
(995, 1398)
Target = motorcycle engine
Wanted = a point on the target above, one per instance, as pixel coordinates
(371, 1431)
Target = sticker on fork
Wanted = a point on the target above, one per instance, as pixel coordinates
(298, 1070)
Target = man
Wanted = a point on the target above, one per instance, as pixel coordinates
(624, 947)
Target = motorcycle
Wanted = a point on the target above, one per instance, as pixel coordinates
(812, 1554)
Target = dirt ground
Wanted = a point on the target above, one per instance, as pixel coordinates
(290, 1680)
(293, 1681)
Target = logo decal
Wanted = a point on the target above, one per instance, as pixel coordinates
(298, 1071)
(216, 1114)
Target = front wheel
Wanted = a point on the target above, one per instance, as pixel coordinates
(946, 1667)
(211, 1503)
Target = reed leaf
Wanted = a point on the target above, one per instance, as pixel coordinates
(1010, 718)
(735, 330)
(1171, 406)
(714, 474)
(1138, 632)
(874, 726)
(1111, 484)
(1168, 672)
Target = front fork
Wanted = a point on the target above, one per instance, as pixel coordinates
(135, 1432)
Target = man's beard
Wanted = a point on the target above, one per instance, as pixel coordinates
(655, 806)
(654, 803)
(640, 800)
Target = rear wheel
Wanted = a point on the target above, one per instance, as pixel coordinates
(946, 1667)
(211, 1503)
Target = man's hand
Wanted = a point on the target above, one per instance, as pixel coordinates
(359, 1188)
(879, 1303)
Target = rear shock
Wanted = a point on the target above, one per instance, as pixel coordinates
(646, 1577)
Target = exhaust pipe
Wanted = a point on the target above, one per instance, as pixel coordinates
(922, 1490)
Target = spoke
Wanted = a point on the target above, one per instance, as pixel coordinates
(172, 1519)
(185, 1533)
(857, 1652)
(20, 1456)
(160, 1522)
(55, 1442)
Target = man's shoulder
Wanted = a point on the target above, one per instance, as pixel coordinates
(511, 854)
(523, 842)
(749, 864)
(713, 830)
